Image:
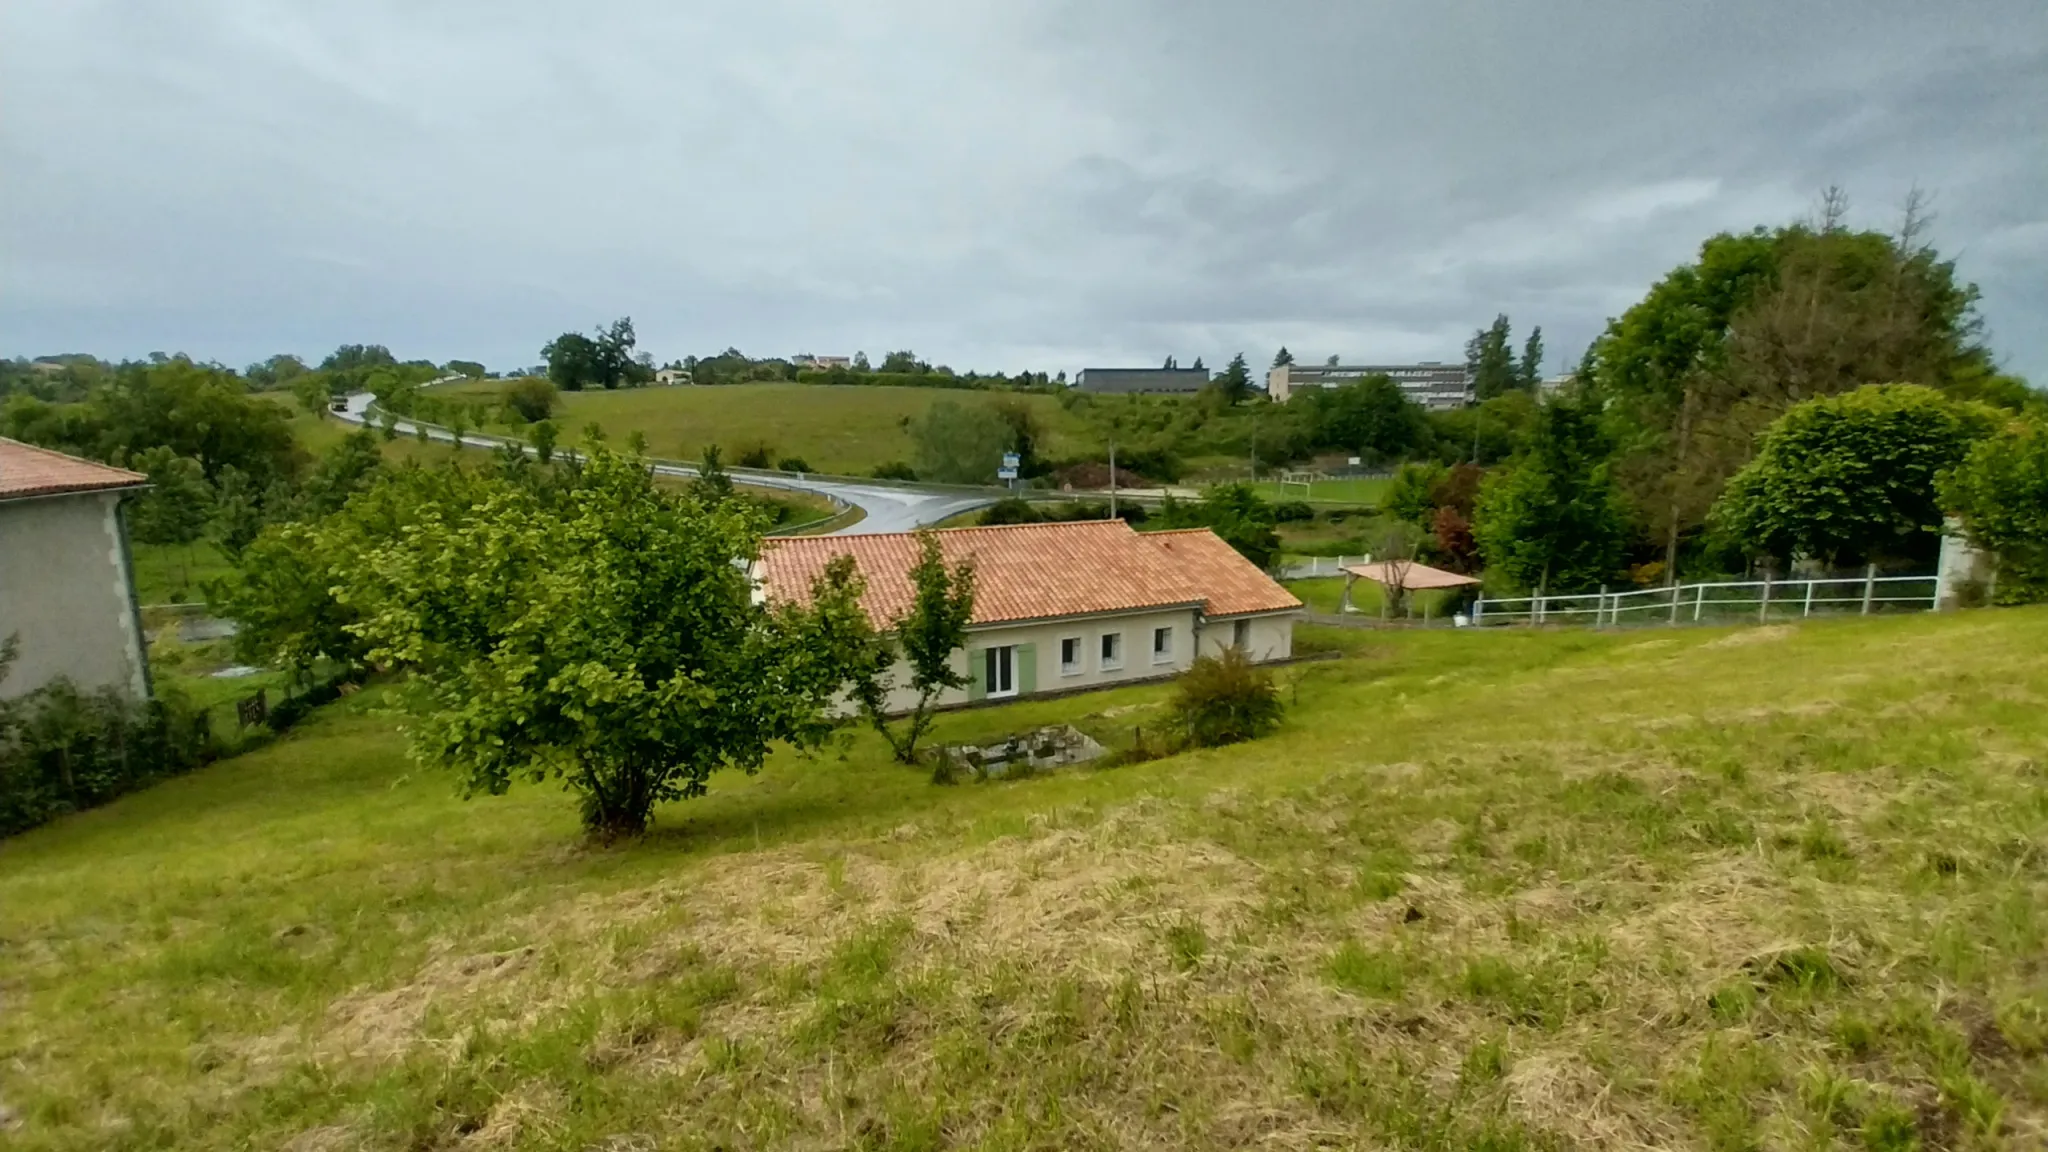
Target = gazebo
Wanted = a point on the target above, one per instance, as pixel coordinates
(1404, 576)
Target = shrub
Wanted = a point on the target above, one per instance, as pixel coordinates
(531, 398)
(1225, 700)
(792, 464)
(756, 455)
(65, 750)
(1293, 512)
(2000, 491)
(894, 470)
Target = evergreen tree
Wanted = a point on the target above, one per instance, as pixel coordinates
(1282, 357)
(1490, 359)
(1236, 382)
(1532, 360)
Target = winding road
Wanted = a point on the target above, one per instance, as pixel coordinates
(888, 508)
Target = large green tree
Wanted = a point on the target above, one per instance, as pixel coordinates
(1845, 479)
(1235, 382)
(1719, 348)
(1236, 513)
(1490, 360)
(605, 635)
(2000, 493)
(1372, 417)
(960, 443)
(1554, 521)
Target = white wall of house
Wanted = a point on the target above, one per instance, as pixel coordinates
(1266, 637)
(66, 594)
(1036, 664)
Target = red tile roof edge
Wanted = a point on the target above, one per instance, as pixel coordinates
(50, 473)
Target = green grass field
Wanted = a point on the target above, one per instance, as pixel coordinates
(847, 430)
(1356, 493)
(1708, 889)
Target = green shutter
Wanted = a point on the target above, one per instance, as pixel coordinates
(1027, 669)
(977, 671)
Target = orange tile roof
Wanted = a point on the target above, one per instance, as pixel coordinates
(1036, 571)
(26, 470)
(1229, 584)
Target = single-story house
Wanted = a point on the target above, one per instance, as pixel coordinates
(1062, 606)
(67, 590)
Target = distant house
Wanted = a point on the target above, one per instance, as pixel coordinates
(1432, 384)
(1122, 380)
(670, 376)
(824, 363)
(1062, 606)
(67, 591)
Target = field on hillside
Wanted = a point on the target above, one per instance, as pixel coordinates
(1702, 889)
(840, 429)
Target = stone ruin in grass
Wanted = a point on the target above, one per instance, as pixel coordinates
(1039, 750)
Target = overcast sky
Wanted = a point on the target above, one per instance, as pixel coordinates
(997, 184)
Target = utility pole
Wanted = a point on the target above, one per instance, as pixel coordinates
(1112, 477)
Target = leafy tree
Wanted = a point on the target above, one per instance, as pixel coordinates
(469, 368)
(2000, 492)
(175, 508)
(1761, 321)
(1412, 495)
(1372, 417)
(311, 391)
(713, 485)
(1554, 522)
(617, 363)
(277, 372)
(201, 411)
(1490, 360)
(357, 357)
(1283, 356)
(1236, 382)
(237, 513)
(605, 636)
(457, 420)
(1529, 376)
(533, 398)
(960, 443)
(542, 436)
(1236, 514)
(1844, 479)
(921, 644)
(1455, 546)
(342, 471)
(574, 361)
(905, 362)
(860, 362)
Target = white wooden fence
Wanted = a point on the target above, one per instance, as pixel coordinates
(1723, 602)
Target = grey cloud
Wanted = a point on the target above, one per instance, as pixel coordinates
(994, 184)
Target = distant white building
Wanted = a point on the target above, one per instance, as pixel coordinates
(824, 363)
(671, 376)
(1432, 384)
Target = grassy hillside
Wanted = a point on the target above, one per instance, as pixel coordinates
(1703, 889)
(847, 430)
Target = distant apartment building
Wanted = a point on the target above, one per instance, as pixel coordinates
(1432, 384)
(1126, 380)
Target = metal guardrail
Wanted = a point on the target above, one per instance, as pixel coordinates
(1717, 602)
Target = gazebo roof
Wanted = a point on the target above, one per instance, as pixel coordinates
(1409, 576)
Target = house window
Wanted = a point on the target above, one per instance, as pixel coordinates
(1241, 635)
(1112, 651)
(1162, 645)
(1070, 655)
(999, 671)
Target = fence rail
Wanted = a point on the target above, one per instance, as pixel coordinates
(1309, 567)
(1722, 602)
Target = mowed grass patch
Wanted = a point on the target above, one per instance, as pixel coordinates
(847, 430)
(1697, 889)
